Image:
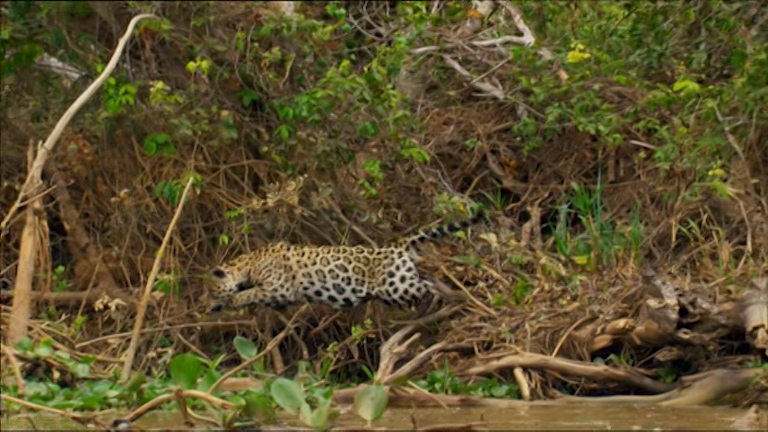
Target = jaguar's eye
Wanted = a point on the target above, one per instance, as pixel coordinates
(246, 285)
(219, 273)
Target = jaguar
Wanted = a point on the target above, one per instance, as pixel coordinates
(280, 274)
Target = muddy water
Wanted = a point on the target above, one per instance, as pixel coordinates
(525, 417)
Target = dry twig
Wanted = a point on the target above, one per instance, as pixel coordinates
(11, 356)
(80, 418)
(144, 302)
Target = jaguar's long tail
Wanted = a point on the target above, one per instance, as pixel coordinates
(442, 230)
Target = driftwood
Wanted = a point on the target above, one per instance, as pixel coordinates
(695, 390)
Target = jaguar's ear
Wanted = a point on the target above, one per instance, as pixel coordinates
(219, 273)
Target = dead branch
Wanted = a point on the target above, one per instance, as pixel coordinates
(79, 243)
(407, 398)
(482, 9)
(60, 68)
(394, 348)
(144, 302)
(525, 389)
(527, 40)
(572, 367)
(186, 394)
(482, 85)
(80, 418)
(11, 356)
(695, 390)
(63, 298)
(415, 362)
(21, 308)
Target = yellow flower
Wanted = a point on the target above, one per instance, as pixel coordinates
(577, 55)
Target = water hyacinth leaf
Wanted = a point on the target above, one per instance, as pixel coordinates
(209, 377)
(371, 401)
(305, 414)
(185, 369)
(238, 401)
(259, 405)
(245, 347)
(321, 414)
(287, 394)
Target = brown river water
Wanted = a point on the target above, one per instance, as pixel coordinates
(524, 417)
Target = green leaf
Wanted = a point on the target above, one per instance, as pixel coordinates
(284, 132)
(24, 345)
(135, 382)
(79, 370)
(158, 142)
(287, 394)
(373, 168)
(371, 401)
(245, 347)
(247, 97)
(686, 87)
(411, 150)
(258, 405)
(467, 260)
(238, 401)
(185, 369)
(44, 347)
(209, 377)
(321, 414)
(305, 414)
(368, 130)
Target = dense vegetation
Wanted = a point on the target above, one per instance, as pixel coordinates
(630, 137)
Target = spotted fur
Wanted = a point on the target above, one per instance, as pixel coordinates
(342, 276)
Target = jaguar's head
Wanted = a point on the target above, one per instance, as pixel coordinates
(225, 282)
